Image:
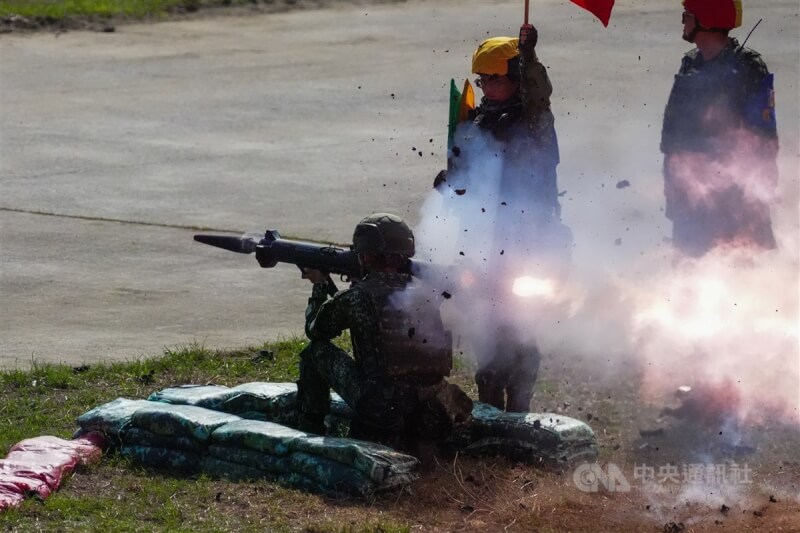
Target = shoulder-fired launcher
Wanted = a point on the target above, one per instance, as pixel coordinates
(273, 249)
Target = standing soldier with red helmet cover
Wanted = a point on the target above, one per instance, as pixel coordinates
(719, 137)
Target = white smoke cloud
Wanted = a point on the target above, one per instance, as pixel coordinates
(729, 318)
(507, 279)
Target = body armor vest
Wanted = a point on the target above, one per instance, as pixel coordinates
(413, 341)
(709, 99)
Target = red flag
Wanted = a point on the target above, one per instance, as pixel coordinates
(599, 8)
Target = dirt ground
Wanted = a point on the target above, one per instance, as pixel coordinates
(493, 494)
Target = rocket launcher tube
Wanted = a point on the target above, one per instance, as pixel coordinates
(272, 249)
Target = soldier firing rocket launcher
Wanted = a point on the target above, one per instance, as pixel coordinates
(273, 249)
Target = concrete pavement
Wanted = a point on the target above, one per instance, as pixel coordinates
(114, 146)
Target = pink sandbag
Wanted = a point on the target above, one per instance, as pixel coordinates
(87, 449)
(38, 465)
(10, 497)
(50, 474)
(24, 485)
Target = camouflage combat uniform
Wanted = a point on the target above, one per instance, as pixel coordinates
(527, 224)
(720, 144)
(395, 380)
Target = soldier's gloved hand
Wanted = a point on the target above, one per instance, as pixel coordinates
(315, 276)
(440, 179)
(528, 37)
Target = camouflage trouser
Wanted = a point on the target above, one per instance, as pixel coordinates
(511, 372)
(395, 411)
(324, 366)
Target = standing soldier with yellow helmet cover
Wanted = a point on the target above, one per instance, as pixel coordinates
(719, 137)
(504, 155)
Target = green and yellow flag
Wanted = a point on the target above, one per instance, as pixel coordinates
(461, 103)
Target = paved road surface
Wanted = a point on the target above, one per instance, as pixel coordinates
(113, 147)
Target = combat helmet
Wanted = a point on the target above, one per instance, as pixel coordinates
(716, 14)
(497, 56)
(385, 234)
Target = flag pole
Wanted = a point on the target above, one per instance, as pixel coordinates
(527, 5)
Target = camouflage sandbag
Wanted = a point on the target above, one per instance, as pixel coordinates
(265, 462)
(179, 420)
(277, 400)
(164, 458)
(221, 468)
(265, 437)
(332, 476)
(209, 395)
(299, 470)
(217, 467)
(381, 464)
(542, 437)
(110, 417)
(257, 400)
(272, 399)
(132, 436)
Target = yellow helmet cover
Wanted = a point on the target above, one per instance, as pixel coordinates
(493, 55)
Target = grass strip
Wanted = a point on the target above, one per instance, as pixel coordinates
(56, 10)
(47, 398)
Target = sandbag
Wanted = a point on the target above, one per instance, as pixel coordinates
(210, 395)
(180, 460)
(49, 474)
(548, 437)
(179, 420)
(110, 417)
(332, 476)
(53, 465)
(37, 466)
(10, 497)
(24, 485)
(260, 397)
(265, 462)
(214, 466)
(217, 467)
(256, 400)
(85, 450)
(267, 437)
(381, 464)
(131, 436)
(273, 399)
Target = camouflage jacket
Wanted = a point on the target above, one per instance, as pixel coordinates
(711, 98)
(719, 136)
(383, 331)
(524, 126)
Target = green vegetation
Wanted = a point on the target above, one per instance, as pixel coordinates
(48, 398)
(120, 496)
(56, 10)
